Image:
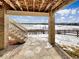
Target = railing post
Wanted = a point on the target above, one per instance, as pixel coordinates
(51, 29)
(6, 29)
(77, 32)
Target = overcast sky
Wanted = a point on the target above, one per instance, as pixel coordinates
(69, 14)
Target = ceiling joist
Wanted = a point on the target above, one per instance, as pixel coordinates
(62, 5)
(33, 5)
(0, 3)
(24, 13)
(10, 3)
(17, 2)
(50, 4)
(41, 5)
(26, 4)
(36, 5)
(57, 4)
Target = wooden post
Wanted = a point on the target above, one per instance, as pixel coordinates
(2, 28)
(6, 29)
(6, 24)
(51, 31)
(77, 32)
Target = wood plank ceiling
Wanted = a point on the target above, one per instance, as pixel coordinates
(36, 5)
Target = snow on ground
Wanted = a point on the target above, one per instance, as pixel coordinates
(66, 27)
(60, 39)
(57, 27)
(35, 26)
(67, 40)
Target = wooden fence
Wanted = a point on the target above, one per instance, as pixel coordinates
(74, 32)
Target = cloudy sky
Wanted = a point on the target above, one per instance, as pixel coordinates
(69, 14)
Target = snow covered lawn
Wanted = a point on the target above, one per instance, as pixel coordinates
(67, 40)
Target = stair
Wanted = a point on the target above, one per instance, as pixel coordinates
(17, 33)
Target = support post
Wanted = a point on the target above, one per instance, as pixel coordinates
(2, 28)
(51, 30)
(6, 29)
(6, 24)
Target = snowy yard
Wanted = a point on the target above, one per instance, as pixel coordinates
(67, 40)
(57, 27)
(61, 39)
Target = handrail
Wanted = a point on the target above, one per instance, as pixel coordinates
(18, 26)
(17, 32)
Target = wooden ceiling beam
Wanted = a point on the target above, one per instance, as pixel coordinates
(33, 5)
(1, 0)
(26, 13)
(26, 4)
(62, 5)
(50, 3)
(0, 3)
(48, 6)
(41, 5)
(57, 4)
(17, 2)
(10, 3)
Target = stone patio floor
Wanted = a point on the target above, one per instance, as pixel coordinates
(34, 48)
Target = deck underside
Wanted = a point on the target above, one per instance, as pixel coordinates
(34, 48)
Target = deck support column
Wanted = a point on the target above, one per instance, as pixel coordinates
(2, 28)
(6, 24)
(51, 30)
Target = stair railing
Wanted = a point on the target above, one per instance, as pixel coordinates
(17, 32)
